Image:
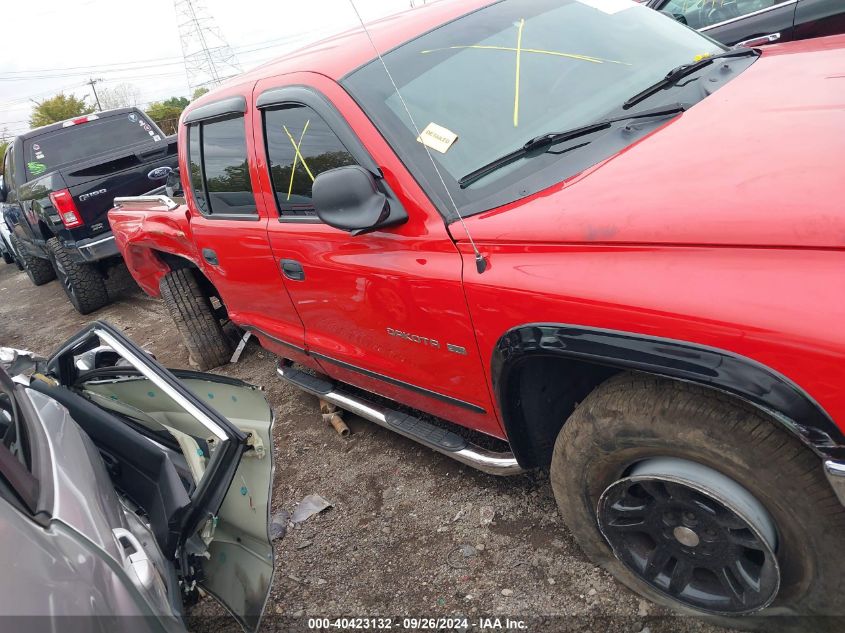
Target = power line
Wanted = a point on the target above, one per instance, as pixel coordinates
(207, 56)
(20, 75)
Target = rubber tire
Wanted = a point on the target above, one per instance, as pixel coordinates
(191, 309)
(39, 270)
(89, 286)
(632, 417)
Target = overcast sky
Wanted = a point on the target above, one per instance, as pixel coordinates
(53, 45)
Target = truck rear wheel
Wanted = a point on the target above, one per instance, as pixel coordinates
(39, 270)
(191, 309)
(83, 283)
(701, 504)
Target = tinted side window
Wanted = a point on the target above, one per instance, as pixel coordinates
(67, 145)
(219, 171)
(195, 160)
(701, 13)
(300, 146)
(226, 170)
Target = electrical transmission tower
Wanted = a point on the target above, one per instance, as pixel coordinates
(208, 58)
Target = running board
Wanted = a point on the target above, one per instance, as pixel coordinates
(438, 439)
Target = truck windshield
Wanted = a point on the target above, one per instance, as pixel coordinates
(54, 149)
(486, 83)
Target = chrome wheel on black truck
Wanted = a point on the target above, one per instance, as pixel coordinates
(701, 503)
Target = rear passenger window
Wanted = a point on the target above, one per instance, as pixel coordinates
(219, 170)
(195, 159)
(300, 146)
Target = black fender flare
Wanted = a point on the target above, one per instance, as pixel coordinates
(740, 376)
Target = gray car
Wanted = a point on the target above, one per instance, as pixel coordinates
(124, 487)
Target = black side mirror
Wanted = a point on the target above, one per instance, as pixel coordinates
(348, 198)
(3, 191)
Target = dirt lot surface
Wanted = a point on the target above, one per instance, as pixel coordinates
(407, 534)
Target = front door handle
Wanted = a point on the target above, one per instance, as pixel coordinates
(758, 41)
(210, 256)
(292, 269)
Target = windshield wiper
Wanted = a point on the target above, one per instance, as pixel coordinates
(678, 73)
(553, 138)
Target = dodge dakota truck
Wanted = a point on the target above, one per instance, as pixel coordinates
(59, 181)
(559, 224)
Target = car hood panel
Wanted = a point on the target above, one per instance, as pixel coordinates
(759, 162)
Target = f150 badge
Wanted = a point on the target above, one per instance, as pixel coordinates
(91, 194)
(424, 340)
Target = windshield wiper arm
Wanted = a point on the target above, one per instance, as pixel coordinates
(678, 73)
(547, 140)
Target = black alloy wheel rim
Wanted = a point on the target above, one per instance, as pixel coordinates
(705, 546)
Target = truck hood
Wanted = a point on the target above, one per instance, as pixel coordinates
(757, 163)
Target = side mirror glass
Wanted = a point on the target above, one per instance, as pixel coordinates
(347, 198)
(173, 184)
(680, 17)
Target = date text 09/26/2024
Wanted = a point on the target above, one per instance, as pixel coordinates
(417, 624)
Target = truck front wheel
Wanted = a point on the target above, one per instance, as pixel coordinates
(83, 283)
(39, 270)
(701, 504)
(196, 319)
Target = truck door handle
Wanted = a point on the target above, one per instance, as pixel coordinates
(758, 41)
(210, 256)
(292, 269)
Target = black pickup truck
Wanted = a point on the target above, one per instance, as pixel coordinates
(59, 182)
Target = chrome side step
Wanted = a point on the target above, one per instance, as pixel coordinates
(438, 439)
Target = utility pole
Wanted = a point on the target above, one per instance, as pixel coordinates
(91, 83)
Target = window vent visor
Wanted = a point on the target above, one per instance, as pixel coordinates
(232, 106)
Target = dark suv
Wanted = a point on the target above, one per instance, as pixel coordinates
(60, 181)
(757, 22)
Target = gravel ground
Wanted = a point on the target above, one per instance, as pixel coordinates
(409, 533)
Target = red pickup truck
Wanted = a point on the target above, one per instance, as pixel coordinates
(561, 224)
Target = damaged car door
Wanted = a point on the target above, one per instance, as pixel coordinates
(187, 463)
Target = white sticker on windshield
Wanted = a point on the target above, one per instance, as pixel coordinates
(156, 138)
(437, 137)
(609, 6)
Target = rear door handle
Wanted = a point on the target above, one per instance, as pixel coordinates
(210, 256)
(292, 269)
(136, 563)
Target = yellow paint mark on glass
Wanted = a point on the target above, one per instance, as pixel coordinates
(297, 155)
(516, 87)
